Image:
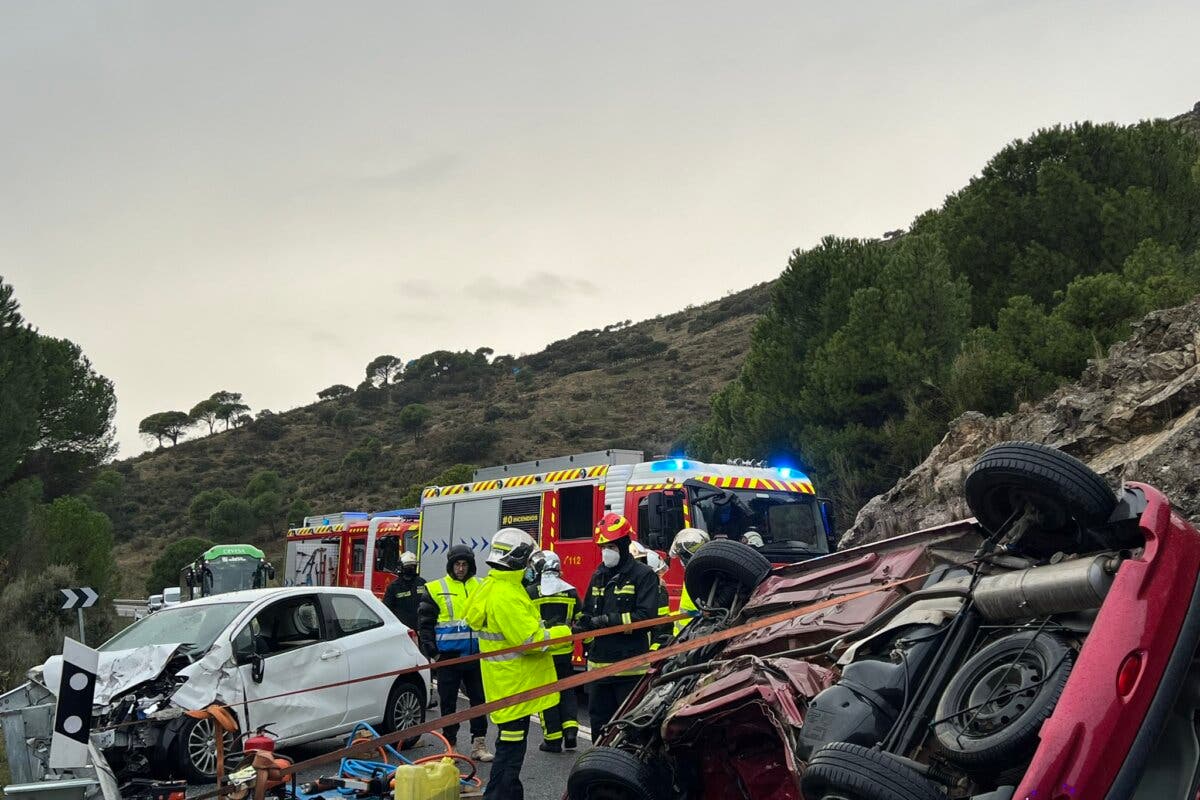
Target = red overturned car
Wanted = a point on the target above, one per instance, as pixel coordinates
(1043, 650)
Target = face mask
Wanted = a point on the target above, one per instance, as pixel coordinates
(611, 557)
(409, 570)
(530, 575)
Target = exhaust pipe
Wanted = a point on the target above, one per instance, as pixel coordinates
(1077, 585)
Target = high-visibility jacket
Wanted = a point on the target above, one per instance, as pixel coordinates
(440, 616)
(685, 604)
(555, 609)
(505, 617)
(659, 634)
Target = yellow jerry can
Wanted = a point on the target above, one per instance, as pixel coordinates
(436, 780)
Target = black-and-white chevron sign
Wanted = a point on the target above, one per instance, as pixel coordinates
(83, 597)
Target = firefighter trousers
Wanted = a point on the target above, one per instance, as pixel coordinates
(449, 680)
(606, 697)
(504, 782)
(564, 717)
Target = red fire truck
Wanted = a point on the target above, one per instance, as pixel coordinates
(558, 501)
(333, 549)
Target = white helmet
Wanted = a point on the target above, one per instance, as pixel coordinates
(637, 551)
(511, 549)
(408, 559)
(687, 542)
(752, 538)
(546, 561)
(655, 562)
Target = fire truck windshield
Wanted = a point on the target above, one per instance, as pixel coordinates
(788, 522)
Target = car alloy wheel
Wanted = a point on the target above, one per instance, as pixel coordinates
(406, 710)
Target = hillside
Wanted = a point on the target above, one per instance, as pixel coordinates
(1134, 415)
(640, 386)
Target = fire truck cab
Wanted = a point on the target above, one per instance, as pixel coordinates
(558, 501)
(332, 549)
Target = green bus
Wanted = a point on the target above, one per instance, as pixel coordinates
(225, 568)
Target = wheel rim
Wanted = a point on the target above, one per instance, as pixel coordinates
(202, 747)
(1001, 694)
(609, 791)
(406, 711)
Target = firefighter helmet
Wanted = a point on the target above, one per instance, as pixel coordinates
(546, 561)
(752, 538)
(637, 551)
(408, 559)
(611, 528)
(687, 542)
(511, 549)
(655, 562)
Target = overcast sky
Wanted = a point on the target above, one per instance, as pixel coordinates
(261, 197)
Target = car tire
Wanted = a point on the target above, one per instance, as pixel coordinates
(1027, 671)
(853, 772)
(738, 567)
(196, 753)
(606, 773)
(405, 708)
(1068, 495)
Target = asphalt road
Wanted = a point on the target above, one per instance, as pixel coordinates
(544, 774)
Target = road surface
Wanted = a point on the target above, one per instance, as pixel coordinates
(544, 774)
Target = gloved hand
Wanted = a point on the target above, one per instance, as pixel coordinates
(600, 621)
(583, 622)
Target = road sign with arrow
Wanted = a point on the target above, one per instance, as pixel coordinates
(84, 597)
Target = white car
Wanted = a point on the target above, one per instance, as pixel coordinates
(154, 603)
(242, 646)
(171, 596)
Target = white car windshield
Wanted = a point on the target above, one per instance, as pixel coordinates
(196, 626)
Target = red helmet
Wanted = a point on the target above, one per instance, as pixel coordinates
(611, 528)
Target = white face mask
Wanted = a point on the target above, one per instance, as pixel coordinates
(611, 557)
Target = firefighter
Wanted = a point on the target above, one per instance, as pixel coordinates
(685, 545)
(660, 633)
(621, 591)
(442, 633)
(505, 617)
(402, 594)
(557, 601)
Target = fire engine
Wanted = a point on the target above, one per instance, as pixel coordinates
(350, 548)
(558, 501)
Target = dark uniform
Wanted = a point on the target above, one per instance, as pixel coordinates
(562, 720)
(625, 593)
(401, 597)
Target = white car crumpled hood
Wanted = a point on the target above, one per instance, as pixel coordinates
(116, 672)
(206, 680)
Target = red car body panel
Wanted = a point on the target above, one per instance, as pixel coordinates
(1089, 736)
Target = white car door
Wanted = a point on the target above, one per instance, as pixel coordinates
(374, 642)
(292, 645)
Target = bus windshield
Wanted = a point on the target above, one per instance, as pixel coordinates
(231, 574)
(789, 522)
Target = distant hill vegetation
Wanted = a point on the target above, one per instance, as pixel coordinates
(851, 363)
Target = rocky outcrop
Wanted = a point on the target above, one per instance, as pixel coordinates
(1133, 416)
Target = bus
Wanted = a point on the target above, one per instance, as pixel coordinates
(225, 568)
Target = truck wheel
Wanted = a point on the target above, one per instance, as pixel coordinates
(737, 568)
(1068, 496)
(405, 708)
(851, 772)
(606, 773)
(1024, 675)
(196, 750)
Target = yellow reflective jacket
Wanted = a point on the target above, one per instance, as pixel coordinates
(505, 617)
(685, 604)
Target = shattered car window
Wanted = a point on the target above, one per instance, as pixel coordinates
(194, 625)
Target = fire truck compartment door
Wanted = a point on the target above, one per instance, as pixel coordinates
(475, 521)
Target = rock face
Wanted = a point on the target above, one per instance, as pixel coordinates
(1132, 416)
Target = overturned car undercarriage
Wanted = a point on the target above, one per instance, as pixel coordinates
(1039, 650)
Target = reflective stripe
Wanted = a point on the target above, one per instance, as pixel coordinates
(572, 724)
(633, 671)
(626, 618)
(503, 657)
(664, 611)
(512, 736)
(491, 637)
(455, 633)
(625, 590)
(553, 599)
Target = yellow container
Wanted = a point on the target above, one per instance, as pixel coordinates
(435, 780)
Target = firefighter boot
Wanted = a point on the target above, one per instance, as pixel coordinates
(569, 738)
(551, 747)
(479, 750)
